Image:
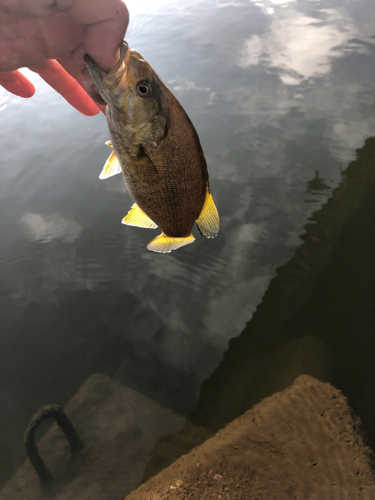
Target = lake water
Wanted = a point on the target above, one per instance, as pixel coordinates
(282, 94)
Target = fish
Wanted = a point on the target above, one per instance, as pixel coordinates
(157, 149)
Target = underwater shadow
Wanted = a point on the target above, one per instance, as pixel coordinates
(273, 348)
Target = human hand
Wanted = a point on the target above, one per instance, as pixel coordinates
(51, 38)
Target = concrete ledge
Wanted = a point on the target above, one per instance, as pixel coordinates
(118, 427)
(302, 443)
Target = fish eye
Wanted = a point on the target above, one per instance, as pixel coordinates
(144, 88)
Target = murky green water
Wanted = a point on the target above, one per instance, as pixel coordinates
(282, 94)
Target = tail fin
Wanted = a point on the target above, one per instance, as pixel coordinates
(165, 244)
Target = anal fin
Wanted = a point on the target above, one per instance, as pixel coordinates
(137, 217)
(208, 220)
(165, 244)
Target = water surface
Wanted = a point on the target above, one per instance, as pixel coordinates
(282, 95)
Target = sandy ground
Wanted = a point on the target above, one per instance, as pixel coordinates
(302, 443)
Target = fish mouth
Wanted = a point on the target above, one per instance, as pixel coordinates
(106, 82)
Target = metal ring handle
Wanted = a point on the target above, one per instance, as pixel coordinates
(56, 412)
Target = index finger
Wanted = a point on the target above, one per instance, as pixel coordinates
(58, 78)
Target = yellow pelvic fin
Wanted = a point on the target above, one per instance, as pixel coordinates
(112, 167)
(165, 244)
(109, 143)
(208, 221)
(137, 217)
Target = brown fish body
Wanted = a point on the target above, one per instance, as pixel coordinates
(168, 183)
(161, 157)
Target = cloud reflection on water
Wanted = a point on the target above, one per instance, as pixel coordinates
(49, 227)
(301, 47)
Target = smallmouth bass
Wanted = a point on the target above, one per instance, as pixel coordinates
(157, 149)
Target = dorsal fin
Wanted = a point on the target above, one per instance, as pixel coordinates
(208, 220)
(137, 217)
(112, 166)
(165, 244)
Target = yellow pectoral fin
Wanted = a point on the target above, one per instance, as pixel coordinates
(208, 221)
(109, 143)
(137, 217)
(165, 244)
(112, 167)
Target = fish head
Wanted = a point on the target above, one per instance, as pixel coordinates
(133, 94)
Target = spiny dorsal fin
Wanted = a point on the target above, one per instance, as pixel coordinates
(112, 166)
(165, 244)
(208, 221)
(137, 217)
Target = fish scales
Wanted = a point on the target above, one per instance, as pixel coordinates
(180, 162)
